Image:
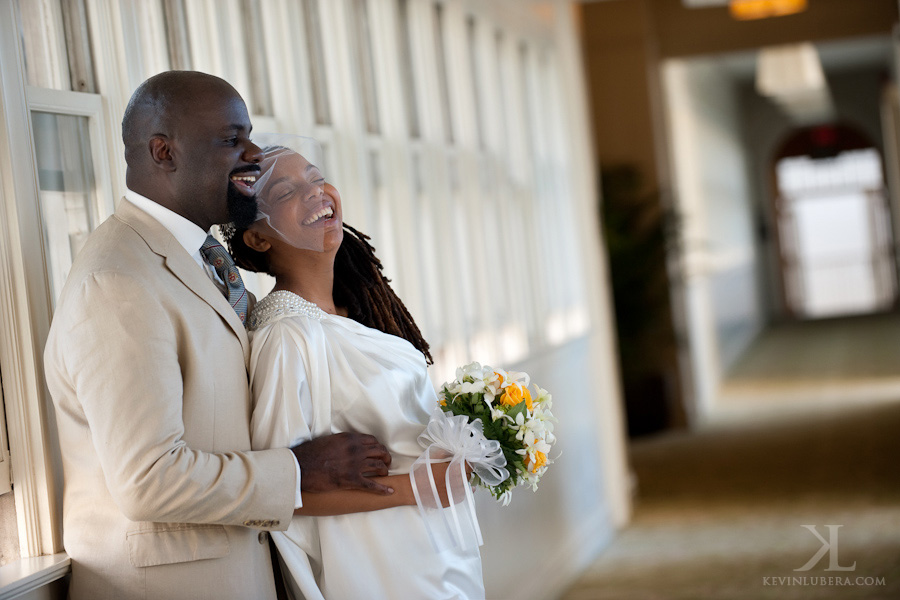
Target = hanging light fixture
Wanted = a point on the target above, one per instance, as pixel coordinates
(746, 10)
(792, 77)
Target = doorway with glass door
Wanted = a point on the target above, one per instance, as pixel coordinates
(834, 225)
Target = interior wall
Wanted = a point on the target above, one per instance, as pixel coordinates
(617, 51)
(620, 67)
(714, 202)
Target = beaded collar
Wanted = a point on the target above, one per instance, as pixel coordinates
(283, 303)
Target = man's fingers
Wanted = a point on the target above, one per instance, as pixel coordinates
(375, 466)
(379, 452)
(368, 440)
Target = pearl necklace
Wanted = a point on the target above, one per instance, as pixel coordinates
(283, 303)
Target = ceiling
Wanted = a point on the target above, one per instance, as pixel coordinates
(839, 55)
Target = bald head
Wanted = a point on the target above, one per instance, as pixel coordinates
(187, 135)
(158, 104)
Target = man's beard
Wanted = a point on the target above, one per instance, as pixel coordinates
(242, 209)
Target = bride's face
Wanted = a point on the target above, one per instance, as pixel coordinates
(299, 207)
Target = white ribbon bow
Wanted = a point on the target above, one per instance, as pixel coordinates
(452, 438)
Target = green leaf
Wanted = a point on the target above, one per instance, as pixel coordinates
(515, 410)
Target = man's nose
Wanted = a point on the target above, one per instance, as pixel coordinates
(252, 153)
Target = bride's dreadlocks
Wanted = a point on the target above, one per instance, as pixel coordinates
(359, 284)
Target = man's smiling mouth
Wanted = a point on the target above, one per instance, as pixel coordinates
(244, 182)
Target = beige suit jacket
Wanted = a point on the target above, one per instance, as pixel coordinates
(147, 365)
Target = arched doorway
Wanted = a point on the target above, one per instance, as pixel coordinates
(834, 224)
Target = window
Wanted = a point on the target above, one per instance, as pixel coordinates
(835, 230)
(440, 53)
(66, 183)
(260, 92)
(319, 80)
(73, 198)
(361, 37)
(407, 71)
(177, 35)
(475, 71)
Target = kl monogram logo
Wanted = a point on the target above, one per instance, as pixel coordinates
(829, 547)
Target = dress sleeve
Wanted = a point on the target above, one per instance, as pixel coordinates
(280, 383)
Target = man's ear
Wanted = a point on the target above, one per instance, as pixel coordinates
(161, 152)
(255, 241)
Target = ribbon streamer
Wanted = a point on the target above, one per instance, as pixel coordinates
(452, 438)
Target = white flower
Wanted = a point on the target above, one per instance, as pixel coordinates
(542, 398)
(470, 387)
(498, 414)
(470, 372)
(529, 430)
(516, 377)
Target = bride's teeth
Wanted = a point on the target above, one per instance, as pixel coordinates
(327, 212)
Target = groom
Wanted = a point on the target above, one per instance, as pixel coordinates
(146, 362)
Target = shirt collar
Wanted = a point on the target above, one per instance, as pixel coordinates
(188, 234)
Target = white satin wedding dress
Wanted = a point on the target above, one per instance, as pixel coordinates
(312, 374)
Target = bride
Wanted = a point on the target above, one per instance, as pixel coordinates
(333, 350)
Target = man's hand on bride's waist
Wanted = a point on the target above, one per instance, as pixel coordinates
(343, 461)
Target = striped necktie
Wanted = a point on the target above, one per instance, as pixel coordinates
(221, 261)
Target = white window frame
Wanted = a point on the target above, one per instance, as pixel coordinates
(79, 104)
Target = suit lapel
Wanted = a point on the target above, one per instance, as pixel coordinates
(183, 266)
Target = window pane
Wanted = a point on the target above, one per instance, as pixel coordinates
(78, 46)
(43, 45)
(257, 59)
(317, 71)
(406, 67)
(67, 189)
(441, 57)
(366, 69)
(474, 70)
(384, 236)
(177, 37)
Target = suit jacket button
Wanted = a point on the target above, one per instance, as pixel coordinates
(263, 537)
(275, 523)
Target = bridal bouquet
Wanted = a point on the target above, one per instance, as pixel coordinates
(489, 420)
(510, 414)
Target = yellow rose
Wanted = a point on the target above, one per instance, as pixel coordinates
(528, 401)
(512, 395)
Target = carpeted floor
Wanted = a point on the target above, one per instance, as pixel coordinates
(719, 512)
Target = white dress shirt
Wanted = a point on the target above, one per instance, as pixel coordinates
(191, 237)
